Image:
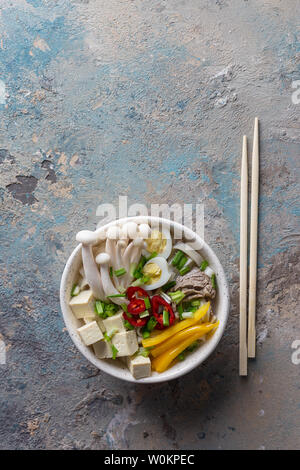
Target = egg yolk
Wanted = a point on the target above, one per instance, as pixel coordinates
(153, 271)
(157, 242)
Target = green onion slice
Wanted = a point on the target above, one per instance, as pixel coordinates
(146, 334)
(114, 351)
(203, 265)
(181, 356)
(166, 318)
(181, 262)
(115, 295)
(214, 281)
(168, 286)
(128, 325)
(147, 302)
(184, 271)
(177, 258)
(176, 296)
(99, 308)
(153, 255)
(144, 314)
(75, 290)
(120, 272)
(151, 324)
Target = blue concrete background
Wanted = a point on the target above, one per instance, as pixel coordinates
(150, 100)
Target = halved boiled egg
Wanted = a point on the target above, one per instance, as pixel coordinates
(158, 272)
(159, 242)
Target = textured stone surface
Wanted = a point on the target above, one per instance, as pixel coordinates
(150, 100)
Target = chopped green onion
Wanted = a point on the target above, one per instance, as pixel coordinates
(196, 303)
(138, 272)
(153, 255)
(184, 271)
(176, 296)
(182, 262)
(114, 351)
(192, 346)
(142, 262)
(181, 356)
(124, 307)
(75, 290)
(109, 309)
(185, 315)
(151, 324)
(180, 311)
(99, 309)
(106, 337)
(146, 334)
(141, 281)
(214, 281)
(138, 282)
(204, 265)
(143, 352)
(177, 258)
(105, 310)
(132, 269)
(109, 306)
(168, 286)
(166, 318)
(120, 272)
(144, 314)
(115, 295)
(112, 333)
(147, 302)
(128, 325)
(188, 307)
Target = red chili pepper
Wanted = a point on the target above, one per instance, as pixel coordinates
(136, 306)
(156, 301)
(132, 292)
(137, 321)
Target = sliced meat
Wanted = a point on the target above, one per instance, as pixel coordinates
(195, 285)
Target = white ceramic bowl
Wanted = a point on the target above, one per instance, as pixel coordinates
(115, 367)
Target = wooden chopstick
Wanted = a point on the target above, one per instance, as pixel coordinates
(253, 242)
(243, 260)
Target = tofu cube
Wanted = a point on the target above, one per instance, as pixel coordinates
(82, 305)
(116, 321)
(97, 319)
(125, 342)
(139, 366)
(90, 333)
(102, 349)
(89, 319)
(100, 324)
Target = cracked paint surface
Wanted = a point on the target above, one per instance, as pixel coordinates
(150, 100)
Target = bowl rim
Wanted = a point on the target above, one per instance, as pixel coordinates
(188, 365)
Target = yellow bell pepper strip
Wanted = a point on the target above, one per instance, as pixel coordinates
(162, 362)
(170, 365)
(179, 337)
(172, 330)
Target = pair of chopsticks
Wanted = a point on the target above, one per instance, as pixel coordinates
(248, 350)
